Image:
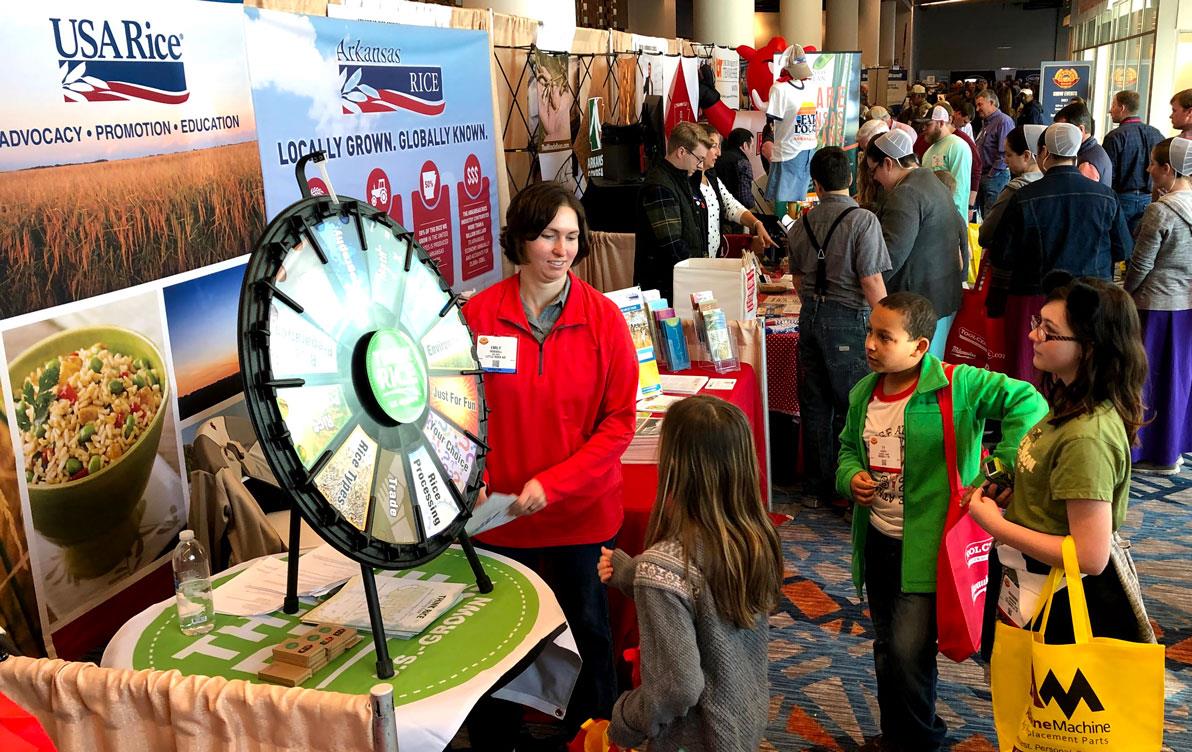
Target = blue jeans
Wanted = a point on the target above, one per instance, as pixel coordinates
(904, 650)
(991, 185)
(1133, 205)
(570, 571)
(831, 361)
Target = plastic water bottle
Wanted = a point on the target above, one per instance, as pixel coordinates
(192, 586)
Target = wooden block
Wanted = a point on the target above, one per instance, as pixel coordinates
(337, 641)
(300, 651)
(285, 674)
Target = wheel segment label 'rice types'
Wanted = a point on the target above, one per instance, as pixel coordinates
(82, 411)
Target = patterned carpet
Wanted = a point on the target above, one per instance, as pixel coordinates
(821, 662)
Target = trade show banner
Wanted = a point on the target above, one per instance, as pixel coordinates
(835, 91)
(1062, 81)
(126, 157)
(726, 66)
(553, 83)
(404, 115)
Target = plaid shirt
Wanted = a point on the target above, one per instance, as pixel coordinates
(666, 222)
(1129, 148)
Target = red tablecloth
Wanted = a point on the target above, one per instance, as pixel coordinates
(641, 485)
(782, 372)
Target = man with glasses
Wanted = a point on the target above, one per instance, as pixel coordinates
(672, 216)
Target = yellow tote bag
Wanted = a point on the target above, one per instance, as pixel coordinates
(975, 251)
(1098, 693)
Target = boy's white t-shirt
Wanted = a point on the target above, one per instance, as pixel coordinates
(885, 441)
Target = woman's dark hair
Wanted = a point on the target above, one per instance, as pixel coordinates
(830, 168)
(737, 138)
(876, 155)
(1162, 152)
(532, 210)
(1016, 140)
(1113, 362)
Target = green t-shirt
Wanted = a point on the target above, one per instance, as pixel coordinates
(1085, 458)
(952, 154)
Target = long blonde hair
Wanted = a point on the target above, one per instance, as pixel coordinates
(709, 501)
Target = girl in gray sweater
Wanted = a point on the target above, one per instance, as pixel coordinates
(1160, 280)
(703, 588)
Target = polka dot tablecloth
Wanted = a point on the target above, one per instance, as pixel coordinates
(782, 372)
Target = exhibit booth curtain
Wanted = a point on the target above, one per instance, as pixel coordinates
(85, 708)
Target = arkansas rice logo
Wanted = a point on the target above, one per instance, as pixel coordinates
(118, 61)
(1066, 78)
(372, 79)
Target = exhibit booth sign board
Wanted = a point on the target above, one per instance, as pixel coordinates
(1061, 82)
(404, 114)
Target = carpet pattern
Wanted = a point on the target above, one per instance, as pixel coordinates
(823, 692)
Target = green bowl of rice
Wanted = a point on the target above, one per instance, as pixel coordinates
(89, 408)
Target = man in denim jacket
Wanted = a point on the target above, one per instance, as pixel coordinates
(1061, 221)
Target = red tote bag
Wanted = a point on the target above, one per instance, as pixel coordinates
(975, 339)
(962, 571)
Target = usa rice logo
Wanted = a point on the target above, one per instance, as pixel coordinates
(372, 79)
(118, 61)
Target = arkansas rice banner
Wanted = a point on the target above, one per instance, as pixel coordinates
(404, 115)
(126, 160)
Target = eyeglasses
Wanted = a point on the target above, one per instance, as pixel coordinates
(1046, 336)
(699, 161)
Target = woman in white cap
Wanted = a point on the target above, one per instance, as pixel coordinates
(1022, 145)
(1159, 279)
(925, 235)
(868, 191)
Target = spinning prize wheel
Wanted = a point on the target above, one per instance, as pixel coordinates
(362, 384)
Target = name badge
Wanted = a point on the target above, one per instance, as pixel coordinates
(497, 354)
(885, 454)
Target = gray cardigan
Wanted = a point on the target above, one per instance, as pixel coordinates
(704, 684)
(1160, 272)
(924, 233)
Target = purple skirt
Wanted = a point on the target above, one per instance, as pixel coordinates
(1168, 390)
(1020, 353)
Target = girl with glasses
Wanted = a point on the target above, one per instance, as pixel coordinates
(1072, 475)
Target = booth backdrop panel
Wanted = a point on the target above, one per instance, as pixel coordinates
(117, 168)
(412, 134)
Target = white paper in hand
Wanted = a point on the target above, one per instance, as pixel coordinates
(494, 512)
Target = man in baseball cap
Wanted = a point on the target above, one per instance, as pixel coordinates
(947, 152)
(882, 114)
(1063, 220)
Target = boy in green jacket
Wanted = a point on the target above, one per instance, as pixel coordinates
(892, 464)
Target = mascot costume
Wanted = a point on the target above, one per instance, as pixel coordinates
(760, 78)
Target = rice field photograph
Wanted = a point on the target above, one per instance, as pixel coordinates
(71, 232)
(98, 449)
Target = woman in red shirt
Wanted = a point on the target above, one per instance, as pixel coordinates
(561, 399)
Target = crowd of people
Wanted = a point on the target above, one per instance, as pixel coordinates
(1087, 258)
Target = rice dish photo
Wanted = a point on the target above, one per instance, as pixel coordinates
(81, 412)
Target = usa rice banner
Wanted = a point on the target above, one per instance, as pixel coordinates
(127, 166)
(404, 115)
